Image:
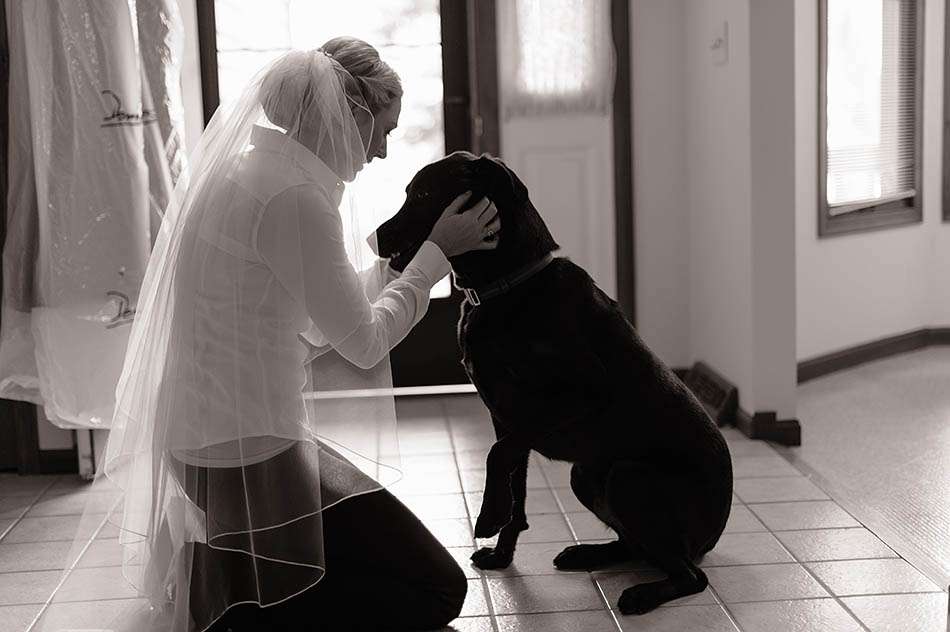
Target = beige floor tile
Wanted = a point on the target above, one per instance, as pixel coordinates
(804, 615)
(88, 584)
(462, 556)
(15, 485)
(6, 525)
(13, 507)
(51, 528)
(102, 552)
(766, 465)
(818, 514)
(746, 548)
(71, 503)
(763, 582)
(451, 531)
(470, 624)
(777, 489)
(434, 506)
(587, 526)
(613, 585)
(710, 618)
(568, 500)
(474, 439)
(748, 447)
(741, 520)
(17, 618)
(558, 477)
(27, 587)
(735, 499)
(476, 602)
(438, 442)
(532, 558)
(834, 544)
(871, 577)
(471, 459)
(90, 615)
(901, 613)
(441, 464)
(420, 483)
(34, 556)
(538, 501)
(543, 593)
(578, 621)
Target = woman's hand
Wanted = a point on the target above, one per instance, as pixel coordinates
(475, 229)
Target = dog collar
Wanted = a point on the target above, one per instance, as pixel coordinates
(503, 285)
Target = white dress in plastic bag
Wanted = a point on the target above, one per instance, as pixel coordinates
(94, 150)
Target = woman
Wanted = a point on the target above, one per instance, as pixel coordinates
(253, 432)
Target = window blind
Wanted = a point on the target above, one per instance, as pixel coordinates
(557, 58)
(872, 79)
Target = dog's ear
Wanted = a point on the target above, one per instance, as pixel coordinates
(501, 183)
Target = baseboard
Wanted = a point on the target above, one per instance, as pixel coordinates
(868, 352)
(767, 426)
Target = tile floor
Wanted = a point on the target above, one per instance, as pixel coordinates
(791, 558)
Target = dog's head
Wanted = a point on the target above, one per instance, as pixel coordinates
(523, 237)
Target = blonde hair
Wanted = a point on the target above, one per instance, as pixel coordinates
(370, 78)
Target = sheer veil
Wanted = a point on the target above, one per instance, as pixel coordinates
(198, 500)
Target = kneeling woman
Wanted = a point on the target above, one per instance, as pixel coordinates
(254, 436)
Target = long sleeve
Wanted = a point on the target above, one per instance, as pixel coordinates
(300, 238)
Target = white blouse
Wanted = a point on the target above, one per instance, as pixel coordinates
(283, 238)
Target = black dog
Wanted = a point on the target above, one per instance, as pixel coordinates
(564, 373)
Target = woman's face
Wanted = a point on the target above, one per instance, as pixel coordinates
(385, 122)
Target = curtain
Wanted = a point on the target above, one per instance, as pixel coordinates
(557, 57)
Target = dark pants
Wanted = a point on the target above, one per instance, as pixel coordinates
(384, 571)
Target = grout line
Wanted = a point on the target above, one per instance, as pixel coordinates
(483, 580)
(824, 586)
(67, 572)
(26, 510)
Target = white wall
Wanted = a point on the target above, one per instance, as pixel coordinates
(719, 196)
(660, 179)
(858, 288)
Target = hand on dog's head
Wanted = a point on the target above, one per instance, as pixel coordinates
(523, 236)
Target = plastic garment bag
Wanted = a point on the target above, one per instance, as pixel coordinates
(95, 148)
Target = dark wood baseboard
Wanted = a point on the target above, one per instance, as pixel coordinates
(868, 352)
(767, 426)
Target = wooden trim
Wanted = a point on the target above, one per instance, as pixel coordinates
(868, 352)
(483, 76)
(623, 161)
(879, 216)
(208, 57)
(456, 88)
(766, 426)
(946, 117)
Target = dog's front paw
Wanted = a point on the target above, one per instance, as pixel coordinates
(487, 525)
(488, 558)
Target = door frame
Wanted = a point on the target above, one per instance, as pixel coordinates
(428, 356)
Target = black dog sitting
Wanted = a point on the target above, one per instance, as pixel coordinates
(564, 373)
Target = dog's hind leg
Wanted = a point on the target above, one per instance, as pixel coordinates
(590, 487)
(641, 500)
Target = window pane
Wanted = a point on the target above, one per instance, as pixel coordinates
(871, 107)
(407, 34)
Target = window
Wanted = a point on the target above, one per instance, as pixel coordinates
(870, 114)
(946, 119)
(563, 60)
(407, 33)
